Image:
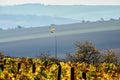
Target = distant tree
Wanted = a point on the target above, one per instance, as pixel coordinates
(87, 21)
(19, 27)
(43, 56)
(109, 57)
(86, 52)
(1, 29)
(83, 21)
(1, 54)
(72, 57)
(102, 19)
(46, 57)
(112, 19)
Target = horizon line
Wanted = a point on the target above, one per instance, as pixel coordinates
(60, 4)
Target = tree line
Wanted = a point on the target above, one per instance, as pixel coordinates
(85, 52)
(88, 53)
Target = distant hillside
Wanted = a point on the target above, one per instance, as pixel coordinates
(32, 41)
(37, 15)
(12, 21)
(78, 12)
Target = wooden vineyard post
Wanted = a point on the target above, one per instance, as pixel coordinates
(84, 75)
(19, 65)
(5, 62)
(33, 68)
(72, 73)
(59, 73)
(2, 67)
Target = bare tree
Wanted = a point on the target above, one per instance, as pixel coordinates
(1, 54)
(86, 52)
(109, 57)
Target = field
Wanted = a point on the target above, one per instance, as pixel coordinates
(32, 41)
(45, 69)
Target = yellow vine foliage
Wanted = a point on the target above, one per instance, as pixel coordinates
(47, 70)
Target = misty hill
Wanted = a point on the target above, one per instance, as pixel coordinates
(54, 14)
(77, 12)
(32, 41)
(12, 21)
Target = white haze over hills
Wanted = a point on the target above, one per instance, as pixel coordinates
(35, 15)
(61, 2)
(13, 21)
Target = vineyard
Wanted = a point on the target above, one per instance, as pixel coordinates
(39, 69)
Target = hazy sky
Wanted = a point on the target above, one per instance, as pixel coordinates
(62, 2)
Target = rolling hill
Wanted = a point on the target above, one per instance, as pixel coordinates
(32, 41)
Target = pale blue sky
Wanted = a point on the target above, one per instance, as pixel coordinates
(62, 2)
